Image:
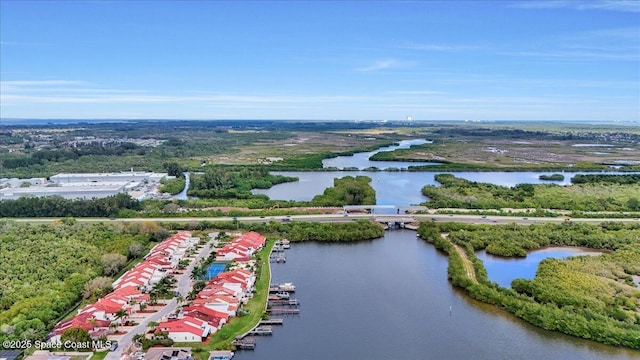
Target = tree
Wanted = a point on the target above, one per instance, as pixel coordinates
(173, 169)
(135, 250)
(633, 204)
(97, 287)
(120, 315)
(112, 263)
(75, 335)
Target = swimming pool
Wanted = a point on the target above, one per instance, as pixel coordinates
(214, 269)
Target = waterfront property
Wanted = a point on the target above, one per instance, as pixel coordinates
(186, 329)
(241, 248)
(222, 296)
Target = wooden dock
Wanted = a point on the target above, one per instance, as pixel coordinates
(244, 344)
(262, 330)
(291, 302)
(283, 311)
(272, 322)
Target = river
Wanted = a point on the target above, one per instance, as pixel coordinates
(390, 299)
(392, 188)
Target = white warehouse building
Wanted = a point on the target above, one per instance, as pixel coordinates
(85, 185)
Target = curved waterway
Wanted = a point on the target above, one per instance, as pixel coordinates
(393, 187)
(390, 299)
(361, 160)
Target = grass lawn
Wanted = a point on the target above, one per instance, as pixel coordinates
(222, 339)
(99, 355)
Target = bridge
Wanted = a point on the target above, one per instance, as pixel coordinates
(395, 209)
(391, 221)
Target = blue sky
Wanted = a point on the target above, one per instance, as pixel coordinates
(502, 60)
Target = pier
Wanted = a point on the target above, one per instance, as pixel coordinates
(262, 330)
(278, 257)
(283, 311)
(279, 321)
(290, 302)
(244, 343)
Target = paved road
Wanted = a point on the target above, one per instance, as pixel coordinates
(489, 219)
(183, 286)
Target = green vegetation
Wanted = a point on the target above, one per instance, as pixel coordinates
(460, 193)
(44, 269)
(233, 182)
(172, 186)
(520, 147)
(589, 297)
(297, 231)
(553, 177)
(628, 179)
(55, 206)
(347, 191)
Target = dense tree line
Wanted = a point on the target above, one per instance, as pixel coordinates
(626, 179)
(56, 206)
(63, 154)
(233, 182)
(298, 231)
(45, 269)
(347, 191)
(597, 196)
(589, 297)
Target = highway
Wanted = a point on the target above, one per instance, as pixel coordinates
(471, 219)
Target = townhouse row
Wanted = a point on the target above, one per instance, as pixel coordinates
(130, 290)
(221, 298)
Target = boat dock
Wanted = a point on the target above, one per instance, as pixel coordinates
(244, 343)
(262, 330)
(278, 258)
(279, 321)
(287, 287)
(290, 302)
(283, 311)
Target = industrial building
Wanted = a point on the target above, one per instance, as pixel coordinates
(84, 185)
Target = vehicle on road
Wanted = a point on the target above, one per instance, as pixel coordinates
(114, 346)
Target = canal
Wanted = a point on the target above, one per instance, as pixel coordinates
(390, 299)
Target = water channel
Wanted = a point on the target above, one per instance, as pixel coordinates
(389, 298)
(392, 187)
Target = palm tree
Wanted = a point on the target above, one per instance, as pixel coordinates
(153, 325)
(120, 315)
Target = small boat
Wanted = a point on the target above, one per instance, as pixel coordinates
(283, 295)
(287, 287)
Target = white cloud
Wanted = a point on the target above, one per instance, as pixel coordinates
(611, 5)
(438, 47)
(384, 64)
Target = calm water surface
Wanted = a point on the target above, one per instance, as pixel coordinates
(393, 188)
(503, 270)
(390, 299)
(361, 160)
